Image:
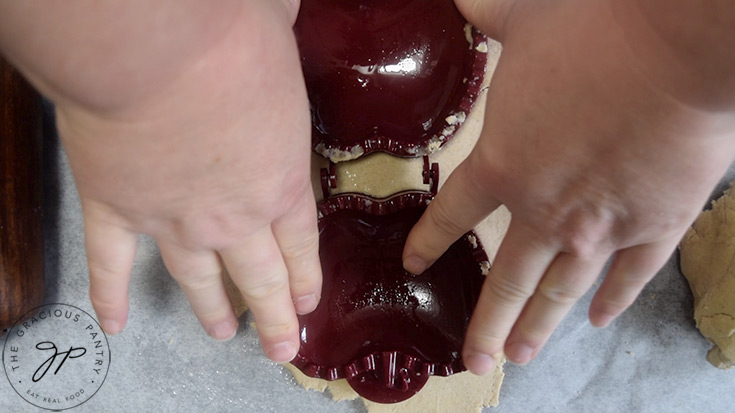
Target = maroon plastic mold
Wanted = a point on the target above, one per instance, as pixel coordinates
(394, 75)
(381, 328)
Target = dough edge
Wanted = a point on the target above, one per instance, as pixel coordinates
(707, 258)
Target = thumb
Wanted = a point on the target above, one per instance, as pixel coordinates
(460, 205)
(489, 16)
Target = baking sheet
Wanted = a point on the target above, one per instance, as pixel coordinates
(650, 360)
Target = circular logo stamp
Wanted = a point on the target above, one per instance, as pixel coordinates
(56, 356)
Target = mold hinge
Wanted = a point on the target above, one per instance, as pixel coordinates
(328, 179)
(430, 174)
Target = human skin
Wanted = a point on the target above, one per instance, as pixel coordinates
(607, 125)
(187, 121)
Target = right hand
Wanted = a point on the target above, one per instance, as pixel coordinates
(594, 153)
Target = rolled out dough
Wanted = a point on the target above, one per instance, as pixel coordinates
(708, 263)
(461, 392)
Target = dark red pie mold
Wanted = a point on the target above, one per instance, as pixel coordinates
(378, 326)
(398, 76)
(393, 75)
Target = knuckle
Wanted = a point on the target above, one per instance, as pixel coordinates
(635, 279)
(197, 281)
(193, 234)
(579, 240)
(305, 285)
(213, 229)
(485, 169)
(214, 315)
(103, 306)
(583, 229)
(578, 245)
(487, 342)
(295, 188)
(275, 329)
(442, 219)
(614, 305)
(264, 289)
(507, 290)
(302, 249)
(585, 238)
(534, 338)
(559, 294)
(101, 270)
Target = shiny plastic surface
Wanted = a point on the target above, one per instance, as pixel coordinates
(392, 75)
(380, 327)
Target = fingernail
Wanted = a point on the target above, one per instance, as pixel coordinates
(520, 353)
(306, 303)
(111, 326)
(414, 264)
(479, 364)
(282, 352)
(223, 331)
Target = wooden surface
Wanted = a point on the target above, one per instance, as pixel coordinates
(21, 226)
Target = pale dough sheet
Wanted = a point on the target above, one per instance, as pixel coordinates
(462, 392)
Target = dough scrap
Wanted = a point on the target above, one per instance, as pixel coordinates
(708, 263)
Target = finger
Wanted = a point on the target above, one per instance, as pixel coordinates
(458, 207)
(199, 273)
(488, 16)
(110, 255)
(566, 280)
(292, 9)
(630, 271)
(298, 238)
(518, 267)
(257, 268)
